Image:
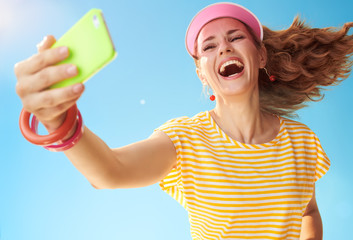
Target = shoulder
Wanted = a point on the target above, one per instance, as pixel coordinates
(196, 121)
(295, 127)
(300, 135)
(182, 128)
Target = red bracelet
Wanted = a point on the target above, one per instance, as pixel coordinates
(51, 138)
(66, 144)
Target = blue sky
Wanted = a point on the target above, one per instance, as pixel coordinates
(42, 196)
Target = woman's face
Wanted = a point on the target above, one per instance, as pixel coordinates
(229, 61)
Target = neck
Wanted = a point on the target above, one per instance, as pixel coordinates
(242, 120)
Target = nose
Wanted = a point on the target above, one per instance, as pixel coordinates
(225, 47)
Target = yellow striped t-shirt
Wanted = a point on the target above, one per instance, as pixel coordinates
(233, 190)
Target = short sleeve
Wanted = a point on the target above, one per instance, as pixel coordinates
(172, 183)
(322, 161)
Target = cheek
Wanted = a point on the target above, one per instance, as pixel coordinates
(203, 61)
(256, 57)
(206, 64)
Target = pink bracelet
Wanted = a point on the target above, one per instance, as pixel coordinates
(51, 138)
(68, 143)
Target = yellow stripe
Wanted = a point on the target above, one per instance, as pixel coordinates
(271, 209)
(243, 218)
(191, 136)
(231, 181)
(247, 193)
(254, 199)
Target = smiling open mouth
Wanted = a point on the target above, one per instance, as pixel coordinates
(231, 68)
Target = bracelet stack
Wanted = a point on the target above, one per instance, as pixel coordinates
(53, 141)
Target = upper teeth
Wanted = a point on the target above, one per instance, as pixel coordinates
(224, 65)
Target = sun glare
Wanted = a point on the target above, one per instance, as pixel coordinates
(7, 17)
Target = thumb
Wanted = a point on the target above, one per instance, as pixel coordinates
(46, 43)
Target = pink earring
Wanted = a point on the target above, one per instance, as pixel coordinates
(271, 77)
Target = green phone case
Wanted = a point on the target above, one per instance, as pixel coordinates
(90, 47)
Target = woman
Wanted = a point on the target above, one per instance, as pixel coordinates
(242, 170)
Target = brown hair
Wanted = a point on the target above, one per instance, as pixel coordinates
(303, 60)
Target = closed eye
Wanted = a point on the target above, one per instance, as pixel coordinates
(236, 38)
(208, 47)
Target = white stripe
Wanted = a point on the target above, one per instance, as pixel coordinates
(224, 150)
(200, 150)
(240, 225)
(234, 188)
(231, 214)
(230, 206)
(237, 215)
(203, 172)
(223, 197)
(262, 168)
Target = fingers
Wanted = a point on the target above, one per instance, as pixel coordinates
(38, 72)
(46, 115)
(53, 101)
(41, 60)
(45, 78)
(44, 58)
(50, 108)
(46, 43)
(53, 118)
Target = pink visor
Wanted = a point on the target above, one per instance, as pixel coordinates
(220, 10)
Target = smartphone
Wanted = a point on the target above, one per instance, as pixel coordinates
(90, 46)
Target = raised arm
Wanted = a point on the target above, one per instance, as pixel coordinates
(136, 165)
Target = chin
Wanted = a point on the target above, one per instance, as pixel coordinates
(235, 89)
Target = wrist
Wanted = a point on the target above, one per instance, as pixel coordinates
(29, 131)
(70, 133)
(71, 139)
(60, 139)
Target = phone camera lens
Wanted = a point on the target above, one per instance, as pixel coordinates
(96, 21)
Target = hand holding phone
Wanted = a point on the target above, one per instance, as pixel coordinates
(91, 48)
(90, 45)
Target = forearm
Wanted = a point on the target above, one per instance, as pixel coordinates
(94, 159)
(311, 228)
